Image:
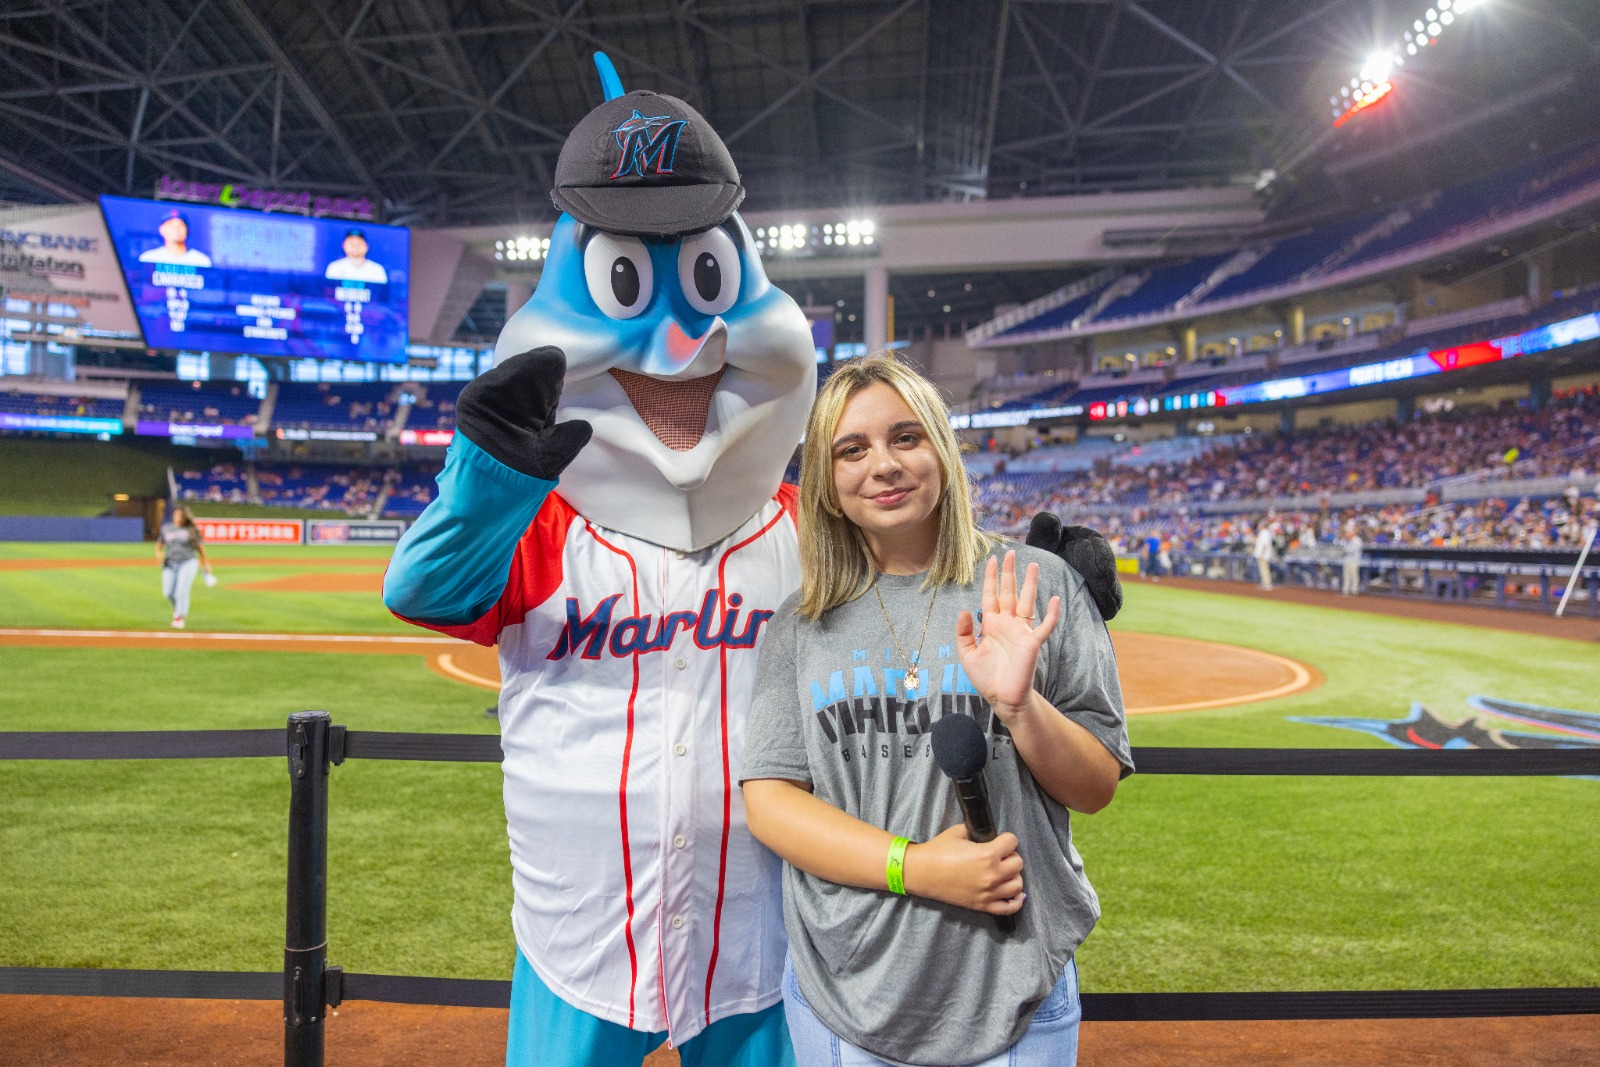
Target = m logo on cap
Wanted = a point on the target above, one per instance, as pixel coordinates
(648, 144)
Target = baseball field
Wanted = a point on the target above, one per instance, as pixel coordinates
(1207, 883)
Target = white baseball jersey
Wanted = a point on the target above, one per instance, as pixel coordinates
(628, 669)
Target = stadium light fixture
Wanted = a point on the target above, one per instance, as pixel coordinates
(1375, 81)
(844, 237)
(522, 250)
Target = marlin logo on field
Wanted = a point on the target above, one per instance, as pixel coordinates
(590, 635)
(1425, 728)
(648, 143)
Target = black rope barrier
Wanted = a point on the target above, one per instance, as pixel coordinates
(180, 985)
(308, 986)
(1097, 1007)
(141, 744)
(485, 748)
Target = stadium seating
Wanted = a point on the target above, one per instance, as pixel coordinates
(412, 491)
(352, 490)
(224, 404)
(51, 405)
(351, 406)
(1164, 287)
(224, 483)
(1423, 226)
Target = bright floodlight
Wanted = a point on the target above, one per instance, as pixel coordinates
(1377, 68)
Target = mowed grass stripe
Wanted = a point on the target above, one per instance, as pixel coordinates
(129, 598)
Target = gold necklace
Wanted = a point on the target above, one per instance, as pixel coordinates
(913, 667)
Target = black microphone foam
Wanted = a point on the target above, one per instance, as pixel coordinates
(959, 746)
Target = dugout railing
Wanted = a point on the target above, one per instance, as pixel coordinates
(308, 986)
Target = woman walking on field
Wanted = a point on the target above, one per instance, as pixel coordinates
(182, 554)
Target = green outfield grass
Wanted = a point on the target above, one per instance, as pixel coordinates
(1207, 883)
(129, 598)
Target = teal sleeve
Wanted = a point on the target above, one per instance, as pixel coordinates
(452, 565)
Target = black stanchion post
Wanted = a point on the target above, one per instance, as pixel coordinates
(305, 949)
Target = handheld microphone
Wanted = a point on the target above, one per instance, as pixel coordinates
(961, 751)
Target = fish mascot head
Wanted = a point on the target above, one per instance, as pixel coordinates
(694, 371)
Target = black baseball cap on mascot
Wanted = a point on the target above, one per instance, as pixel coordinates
(646, 165)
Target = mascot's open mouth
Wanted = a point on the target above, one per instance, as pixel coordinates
(674, 411)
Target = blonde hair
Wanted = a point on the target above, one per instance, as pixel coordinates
(835, 563)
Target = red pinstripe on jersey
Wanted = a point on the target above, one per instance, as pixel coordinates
(622, 788)
(727, 769)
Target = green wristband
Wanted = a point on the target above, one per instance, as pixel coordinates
(896, 869)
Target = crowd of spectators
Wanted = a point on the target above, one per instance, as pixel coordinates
(230, 405)
(353, 490)
(223, 483)
(1562, 440)
(1552, 522)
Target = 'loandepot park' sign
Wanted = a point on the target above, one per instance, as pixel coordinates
(294, 202)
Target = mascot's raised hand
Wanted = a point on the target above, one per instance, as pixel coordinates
(1086, 552)
(509, 412)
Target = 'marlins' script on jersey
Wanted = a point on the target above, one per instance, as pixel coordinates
(632, 635)
(874, 702)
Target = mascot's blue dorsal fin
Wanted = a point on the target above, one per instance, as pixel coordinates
(610, 84)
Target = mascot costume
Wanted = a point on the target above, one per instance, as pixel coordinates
(659, 376)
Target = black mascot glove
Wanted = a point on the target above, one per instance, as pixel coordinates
(508, 411)
(1085, 552)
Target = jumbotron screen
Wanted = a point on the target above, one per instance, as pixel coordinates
(220, 280)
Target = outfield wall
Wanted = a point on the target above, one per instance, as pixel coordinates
(57, 528)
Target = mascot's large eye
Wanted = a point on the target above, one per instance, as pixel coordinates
(708, 271)
(618, 271)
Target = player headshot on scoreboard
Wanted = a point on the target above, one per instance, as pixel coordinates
(355, 266)
(174, 247)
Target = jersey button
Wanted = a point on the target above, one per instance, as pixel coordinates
(679, 841)
(679, 749)
(677, 922)
(680, 663)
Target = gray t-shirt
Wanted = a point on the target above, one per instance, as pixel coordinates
(179, 543)
(912, 980)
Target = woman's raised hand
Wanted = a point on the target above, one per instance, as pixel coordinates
(1001, 665)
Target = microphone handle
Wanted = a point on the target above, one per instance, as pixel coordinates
(975, 810)
(979, 817)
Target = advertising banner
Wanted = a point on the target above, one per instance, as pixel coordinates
(324, 435)
(145, 428)
(251, 531)
(354, 531)
(427, 437)
(59, 423)
(61, 254)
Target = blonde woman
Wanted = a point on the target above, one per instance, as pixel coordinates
(907, 613)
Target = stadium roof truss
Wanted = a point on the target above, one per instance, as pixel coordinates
(455, 113)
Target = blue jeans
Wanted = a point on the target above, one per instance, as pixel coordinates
(1051, 1039)
(546, 1031)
